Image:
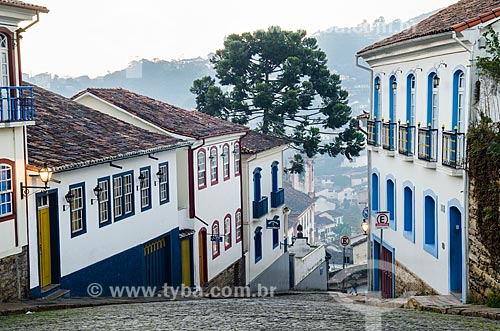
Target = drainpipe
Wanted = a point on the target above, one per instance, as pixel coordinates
(18, 46)
(465, 292)
(369, 262)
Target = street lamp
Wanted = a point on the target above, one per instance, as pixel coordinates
(365, 226)
(45, 174)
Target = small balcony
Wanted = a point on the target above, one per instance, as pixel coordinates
(406, 141)
(277, 198)
(373, 129)
(16, 104)
(453, 149)
(427, 144)
(388, 136)
(260, 208)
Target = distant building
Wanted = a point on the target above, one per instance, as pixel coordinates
(302, 212)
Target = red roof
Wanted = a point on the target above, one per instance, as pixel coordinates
(20, 4)
(457, 17)
(255, 142)
(189, 123)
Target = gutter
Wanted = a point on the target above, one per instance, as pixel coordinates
(465, 289)
(369, 156)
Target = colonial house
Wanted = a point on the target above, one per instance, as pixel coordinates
(16, 114)
(209, 177)
(110, 214)
(301, 212)
(264, 216)
(423, 85)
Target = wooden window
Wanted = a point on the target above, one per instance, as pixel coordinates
(216, 242)
(236, 159)
(163, 182)
(6, 190)
(145, 175)
(77, 209)
(225, 162)
(214, 166)
(239, 226)
(202, 169)
(104, 202)
(123, 195)
(227, 232)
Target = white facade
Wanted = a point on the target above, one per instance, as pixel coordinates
(272, 248)
(102, 240)
(411, 184)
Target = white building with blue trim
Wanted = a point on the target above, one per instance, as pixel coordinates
(423, 83)
(109, 216)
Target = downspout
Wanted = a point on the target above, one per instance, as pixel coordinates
(244, 273)
(192, 208)
(466, 176)
(18, 46)
(369, 202)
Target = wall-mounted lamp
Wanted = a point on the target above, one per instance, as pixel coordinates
(394, 85)
(69, 197)
(436, 80)
(377, 86)
(365, 226)
(159, 176)
(45, 174)
(223, 154)
(97, 192)
(141, 179)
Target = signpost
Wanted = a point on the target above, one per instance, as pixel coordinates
(344, 241)
(365, 213)
(381, 222)
(273, 223)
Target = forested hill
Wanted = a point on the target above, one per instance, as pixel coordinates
(170, 80)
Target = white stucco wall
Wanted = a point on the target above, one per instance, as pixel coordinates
(445, 56)
(262, 160)
(98, 243)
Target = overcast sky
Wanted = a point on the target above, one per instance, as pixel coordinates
(92, 37)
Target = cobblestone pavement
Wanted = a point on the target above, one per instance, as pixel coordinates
(292, 312)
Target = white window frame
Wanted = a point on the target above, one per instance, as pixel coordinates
(6, 180)
(77, 209)
(202, 169)
(104, 203)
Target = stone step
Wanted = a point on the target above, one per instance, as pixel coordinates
(57, 294)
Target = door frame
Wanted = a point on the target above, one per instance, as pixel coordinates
(376, 252)
(203, 254)
(55, 257)
(455, 203)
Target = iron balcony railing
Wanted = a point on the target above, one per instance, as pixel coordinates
(427, 144)
(388, 136)
(277, 198)
(406, 141)
(16, 104)
(453, 149)
(260, 208)
(373, 129)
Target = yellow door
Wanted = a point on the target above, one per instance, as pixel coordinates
(186, 262)
(44, 247)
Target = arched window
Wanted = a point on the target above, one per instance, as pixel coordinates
(225, 161)
(257, 187)
(6, 190)
(227, 232)
(4, 60)
(236, 159)
(430, 224)
(202, 170)
(375, 192)
(276, 238)
(458, 101)
(258, 244)
(408, 214)
(392, 99)
(391, 202)
(214, 166)
(377, 100)
(239, 226)
(432, 100)
(410, 99)
(215, 240)
(274, 176)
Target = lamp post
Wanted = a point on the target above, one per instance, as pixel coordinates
(45, 174)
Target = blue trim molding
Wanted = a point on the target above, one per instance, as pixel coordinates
(122, 199)
(375, 190)
(109, 221)
(147, 207)
(409, 211)
(430, 222)
(391, 202)
(167, 199)
(83, 230)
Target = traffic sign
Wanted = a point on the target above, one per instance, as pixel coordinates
(345, 241)
(382, 220)
(365, 212)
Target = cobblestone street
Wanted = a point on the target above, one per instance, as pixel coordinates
(293, 312)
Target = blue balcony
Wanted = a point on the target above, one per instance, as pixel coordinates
(388, 136)
(453, 149)
(373, 129)
(16, 104)
(277, 198)
(406, 140)
(427, 144)
(260, 208)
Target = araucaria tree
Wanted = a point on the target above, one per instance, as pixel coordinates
(279, 80)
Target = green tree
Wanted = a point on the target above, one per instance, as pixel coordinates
(280, 80)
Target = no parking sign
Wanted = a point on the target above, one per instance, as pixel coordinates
(382, 220)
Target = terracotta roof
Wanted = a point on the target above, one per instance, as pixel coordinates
(296, 201)
(69, 135)
(457, 17)
(254, 142)
(190, 123)
(20, 4)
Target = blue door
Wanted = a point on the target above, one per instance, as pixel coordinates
(455, 250)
